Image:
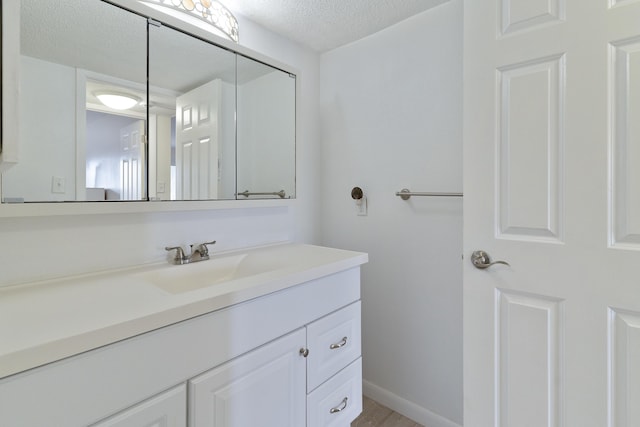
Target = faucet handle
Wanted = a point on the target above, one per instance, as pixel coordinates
(202, 248)
(179, 258)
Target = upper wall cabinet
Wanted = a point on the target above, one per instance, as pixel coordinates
(112, 105)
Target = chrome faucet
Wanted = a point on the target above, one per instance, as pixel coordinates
(199, 252)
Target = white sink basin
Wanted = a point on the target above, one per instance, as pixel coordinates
(177, 279)
(219, 269)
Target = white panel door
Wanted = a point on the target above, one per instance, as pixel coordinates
(552, 186)
(132, 163)
(197, 149)
(266, 387)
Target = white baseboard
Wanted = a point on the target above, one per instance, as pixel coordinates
(402, 406)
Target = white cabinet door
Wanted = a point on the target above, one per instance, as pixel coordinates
(551, 148)
(168, 409)
(265, 387)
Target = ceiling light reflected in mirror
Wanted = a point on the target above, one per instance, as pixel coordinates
(117, 101)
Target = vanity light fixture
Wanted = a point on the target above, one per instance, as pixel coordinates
(117, 100)
(218, 19)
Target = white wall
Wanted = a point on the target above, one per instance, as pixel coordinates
(44, 247)
(160, 135)
(391, 116)
(308, 197)
(227, 140)
(47, 135)
(266, 133)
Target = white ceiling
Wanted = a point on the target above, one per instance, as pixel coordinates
(323, 25)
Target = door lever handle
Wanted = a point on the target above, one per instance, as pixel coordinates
(482, 260)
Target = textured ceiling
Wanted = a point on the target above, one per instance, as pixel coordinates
(323, 25)
(97, 37)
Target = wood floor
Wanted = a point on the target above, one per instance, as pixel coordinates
(376, 415)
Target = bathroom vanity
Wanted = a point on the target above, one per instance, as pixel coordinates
(262, 337)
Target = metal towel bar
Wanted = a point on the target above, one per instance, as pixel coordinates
(280, 194)
(405, 194)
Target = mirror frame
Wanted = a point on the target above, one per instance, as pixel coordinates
(10, 137)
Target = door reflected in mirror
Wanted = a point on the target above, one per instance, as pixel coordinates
(114, 135)
(193, 139)
(114, 171)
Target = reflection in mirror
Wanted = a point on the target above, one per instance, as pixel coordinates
(192, 135)
(79, 61)
(73, 147)
(266, 131)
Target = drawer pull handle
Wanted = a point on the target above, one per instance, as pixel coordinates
(339, 345)
(341, 407)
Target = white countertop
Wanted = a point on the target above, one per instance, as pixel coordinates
(48, 321)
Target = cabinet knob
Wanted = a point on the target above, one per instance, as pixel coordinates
(304, 352)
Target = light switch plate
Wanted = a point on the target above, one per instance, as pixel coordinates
(361, 207)
(57, 184)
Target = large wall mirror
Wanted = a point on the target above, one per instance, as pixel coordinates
(200, 122)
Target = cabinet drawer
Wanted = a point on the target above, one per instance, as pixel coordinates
(333, 343)
(166, 409)
(337, 402)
